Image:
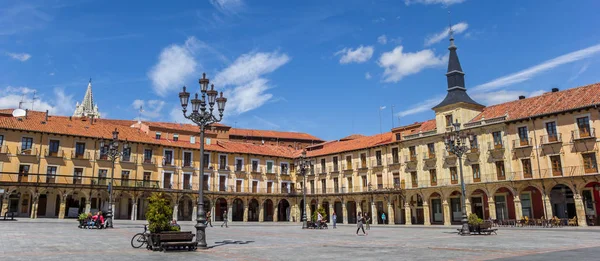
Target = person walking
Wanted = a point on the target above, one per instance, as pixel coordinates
(383, 217)
(224, 219)
(360, 219)
(208, 219)
(367, 219)
(334, 218)
(319, 219)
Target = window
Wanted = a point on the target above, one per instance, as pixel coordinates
(412, 150)
(239, 185)
(269, 187)
(413, 178)
(453, 175)
(254, 186)
(523, 136)
(363, 160)
(556, 165)
(26, 145)
(1, 140)
(364, 181)
(254, 165)
(53, 147)
(206, 160)
(476, 172)
(23, 173)
(207, 141)
(193, 139)
(335, 163)
(168, 158)
(380, 181)
(284, 168)
(312, 186)
(126, 154)
(378, 157)
(146, 179)
(474, 143)
(77, 175)
(448, 120)
(398, 136)
(551, 130)
(51, 174)
(497, 139)
(583, 124)
(104, 147)
(589, 163)
(205, 181)
(269, 166)
(239, 164)
(500, 170)
(125, 178)
(222, 161)
(148, 156)
(158, 135)
(433, 177)
(187, 159)
(395, 158)
(175, 137)
(348, 162)
(102, 174)
(527, 171)
(323, 166)
(396, 179)
(350, 188)
(527, 210)
(323, 186)
(336, 185)
(431, 150)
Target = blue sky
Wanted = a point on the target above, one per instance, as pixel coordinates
(322, 67)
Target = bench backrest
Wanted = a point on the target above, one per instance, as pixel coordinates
(176, 236)
(486, 225)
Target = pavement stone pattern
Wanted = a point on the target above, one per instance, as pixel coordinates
(52, 239)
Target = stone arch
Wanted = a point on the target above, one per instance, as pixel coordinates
(185, 207)
(237, 210)
(253, 209)
(435, 201)
(504, 202)
(268, 208)
(562, 200)
(284, 210)
(478, 200)
(532, 201)
(220, 208)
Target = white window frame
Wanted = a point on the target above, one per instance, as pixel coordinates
(257, 164)
(267, 186)
(172, 158)
(183, 158)
(236, 180)
(287, 185)
(209, 159)
(182, 178)
(192, 139)
(219, 181)
(32, 142)
(219, 161)
(235, 163)
(207, 181)
(175, 135)
(162, 178)
(257, 185)
(267, 166)
(581, 116)
(287, 164)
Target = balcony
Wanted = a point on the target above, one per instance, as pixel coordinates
(239, 169)
(127, 159)
(501, 175)
(411, 158)
(429, 156)
(348, 169)
(223, 167)
(448, 155)
(415, 184)
(149, 161)
(256, 170)
(102, 156)
(363, 166)
(495, 146)
(583, 134)
(433, 182)
(454, 181)
(377, 164)
(335, 169)
(27, 151)
(54, 154)
(187, 164)
(168, 163)
(551, 139)
(284, 171)
(80, 156)
(522, 143)
(393, 161)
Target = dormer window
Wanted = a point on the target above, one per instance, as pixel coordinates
(193, 139)
(448, 120)
(158, 135)
(175, 137)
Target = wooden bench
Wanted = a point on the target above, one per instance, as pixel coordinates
(177, 241)
(486, 227)
(12, 215)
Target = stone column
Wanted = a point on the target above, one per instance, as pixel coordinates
(88, 205)
(261, 212)
(175, 210)
(195, 213)
(308, 212)
(34, 206)
(492, 207)
(426, 214)
(4, 204)
(446, 208)
(229, 211)
(133, 210)
(407, 214)
(374, 217)
(359, 208)
(580, 210)
(344, 213)
(548, 204)
(331, 213)
(468, 206)
(246, 212)
(518, 209)
(391, 219)
(275, 212)
(213, 214)
(63, 206)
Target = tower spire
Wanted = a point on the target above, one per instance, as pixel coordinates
(87, 107)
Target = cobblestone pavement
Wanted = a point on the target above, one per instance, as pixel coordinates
(50, 239)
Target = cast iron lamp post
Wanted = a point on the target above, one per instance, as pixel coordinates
(456, 143)
(203, 118)
(112, 153)
(302, 163)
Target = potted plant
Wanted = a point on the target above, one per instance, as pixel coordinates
(81, 218)
(159, 216)
(315, 215)
(474, 223)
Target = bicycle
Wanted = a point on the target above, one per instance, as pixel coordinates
(140, 239)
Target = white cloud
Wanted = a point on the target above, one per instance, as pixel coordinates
(502, 96)
(358, 55)
(530, 72)
(249, 67)
(51, 74)
(228, 6)
(19, 56)
(248, 97)
(456, 29)
(429, 2)
(266, 124)
(397, 64)
(150, 109)
(421, 107)
(175, 64)
(382, 39)
(176, 115)
(59, 104)
(581, 71)
(367, 75)
(379, 20)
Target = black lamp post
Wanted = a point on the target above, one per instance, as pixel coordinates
(303, 164)
(203, 118)
(456, 143)
(112, 153)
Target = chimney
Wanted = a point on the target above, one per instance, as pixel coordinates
(26, 112)
(46, 119)
(521, 97)
(554, 89)
(70, 118)
(92, 121)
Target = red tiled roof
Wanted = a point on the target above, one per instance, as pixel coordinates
(352, 137)
(272, 134)
(546, 103)
(350, 145)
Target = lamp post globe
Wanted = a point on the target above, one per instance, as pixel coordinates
(202, 118)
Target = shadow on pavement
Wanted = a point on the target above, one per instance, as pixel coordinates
(230, 242)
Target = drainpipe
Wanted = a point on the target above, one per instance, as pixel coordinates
(39, 158)
(537, 154)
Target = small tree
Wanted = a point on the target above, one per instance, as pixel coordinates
(319, 210)
(159, 213)
(474, 220)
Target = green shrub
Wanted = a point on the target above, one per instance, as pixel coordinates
(159, 213)
(82, 216)
(319, 210)
(474, 220)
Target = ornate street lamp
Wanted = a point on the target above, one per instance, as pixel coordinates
(303, 164)
(456, 143)
(112, 153)
(203, 118)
